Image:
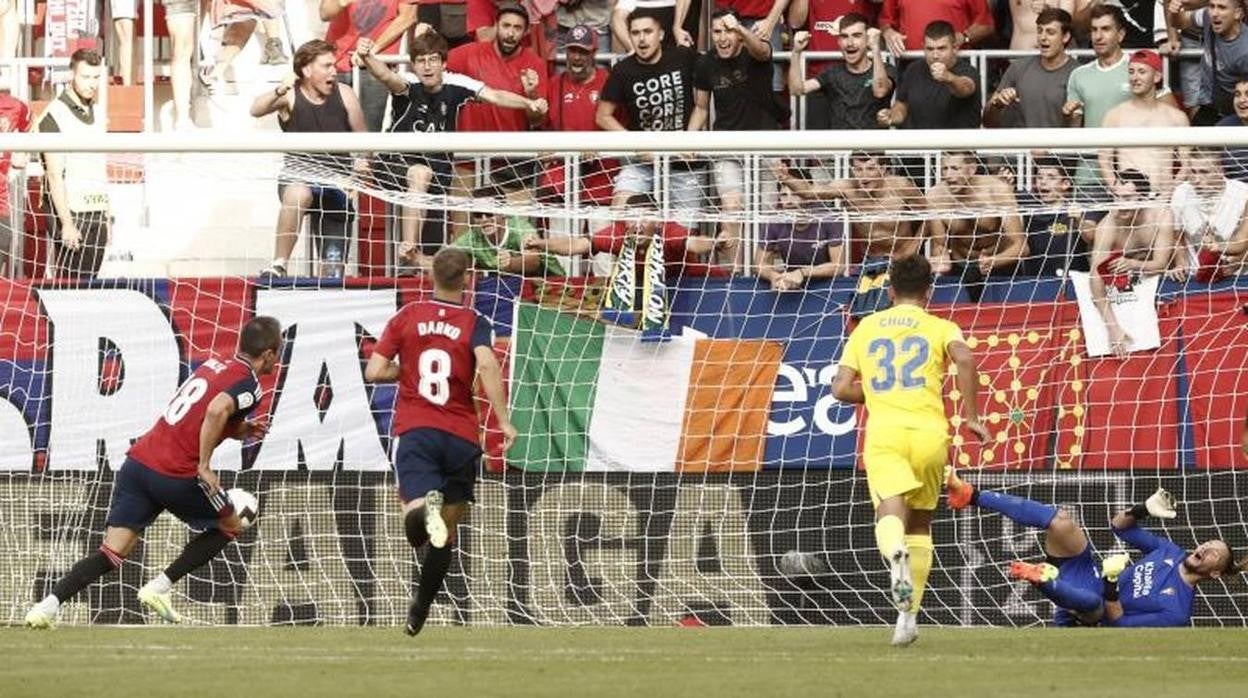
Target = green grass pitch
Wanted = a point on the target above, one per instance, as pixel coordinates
(605, 662)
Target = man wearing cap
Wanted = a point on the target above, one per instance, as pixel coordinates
(1135, 240)
(573, 98)
(1144, 110)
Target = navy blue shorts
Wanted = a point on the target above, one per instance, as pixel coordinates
(140, 494)
(428, 459)
(1081, 571)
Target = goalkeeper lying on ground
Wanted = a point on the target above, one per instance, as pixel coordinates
(1156, 591)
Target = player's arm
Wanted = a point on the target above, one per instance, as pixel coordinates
(604, 117)
(836, 189)
(968, 384)
(491, 376)
(211, 433)
(1125, 523)
(381, 369)
(1102, 246)
(381, 366)
(847, 386)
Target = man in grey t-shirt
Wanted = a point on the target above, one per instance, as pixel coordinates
(1033, 90)
(1225, 60)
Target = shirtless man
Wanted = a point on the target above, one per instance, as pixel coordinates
(981, 245)
(1024, 14)
(870, 189)
(1131, 241)
(1143, 109)
(1210, 220)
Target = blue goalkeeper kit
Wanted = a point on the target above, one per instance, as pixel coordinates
(1152, 590)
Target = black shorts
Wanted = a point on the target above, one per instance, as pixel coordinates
(427, 459)
(329, 219)
(140, 494)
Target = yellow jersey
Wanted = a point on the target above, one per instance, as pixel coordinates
(901, 354)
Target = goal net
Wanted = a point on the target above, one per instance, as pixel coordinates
(670, 324)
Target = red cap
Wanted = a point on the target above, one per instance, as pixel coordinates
(581, 36)
(1149, 58)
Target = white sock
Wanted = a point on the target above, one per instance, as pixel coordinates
(161, 584)
(51, 603)
(279, 262)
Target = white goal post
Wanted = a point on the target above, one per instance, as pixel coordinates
(653, 482)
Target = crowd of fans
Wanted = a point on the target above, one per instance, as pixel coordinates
(486, 66)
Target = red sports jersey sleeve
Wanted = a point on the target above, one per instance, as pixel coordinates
(171, 446)
(14, 118)
(434, 343)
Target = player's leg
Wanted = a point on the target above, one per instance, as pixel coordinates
(890, 479)
(1065, 544)
(417, 467)
(189, 501)
(928, 454)
(444, 508)
(1063, 537)
(131, 511)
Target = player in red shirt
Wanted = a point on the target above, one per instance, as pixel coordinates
(169, 468)
(14, 118)
(440, 346)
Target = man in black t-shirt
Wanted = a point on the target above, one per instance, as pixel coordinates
(941, 91)
(654, 86)
(428, 103)
(854, 90)
(736, 73)
(1057, 232)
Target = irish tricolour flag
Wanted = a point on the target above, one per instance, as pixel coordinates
(590, 396)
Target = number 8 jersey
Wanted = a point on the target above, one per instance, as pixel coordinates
(434, 343)
(171, 447)
(901, 354)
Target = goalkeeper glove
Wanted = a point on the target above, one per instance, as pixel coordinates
(1159, 504)
(1112, 566)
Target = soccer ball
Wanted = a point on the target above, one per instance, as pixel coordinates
(245, 505)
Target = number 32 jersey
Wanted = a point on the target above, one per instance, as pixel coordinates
(434, 343)
(901, 354)
(171, 447)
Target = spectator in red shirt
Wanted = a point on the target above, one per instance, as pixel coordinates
(903, 22)
(14, 118)
(382, 21)
(502, 64)
(681, 248)
(573, 100)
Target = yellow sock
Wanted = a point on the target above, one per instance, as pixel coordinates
(920, 547)
(890, 535)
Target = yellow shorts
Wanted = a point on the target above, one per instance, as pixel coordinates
(908, 462)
